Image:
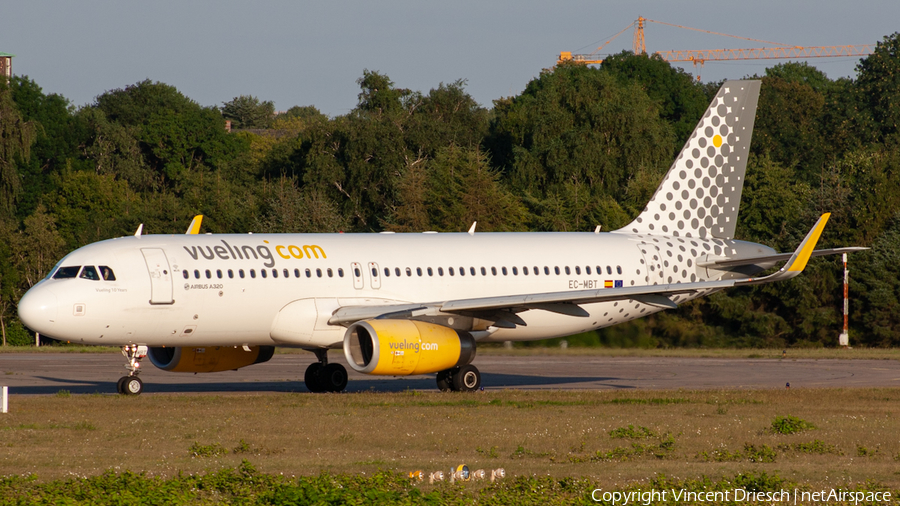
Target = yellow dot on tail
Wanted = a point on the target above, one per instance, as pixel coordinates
(717, 141)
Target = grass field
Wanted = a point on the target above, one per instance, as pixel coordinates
(612, 438)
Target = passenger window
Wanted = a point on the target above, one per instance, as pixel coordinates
(296, 273)
(274, 273)
(387, 272)
(557, 270)
(219, 273)
(504, 270)
(241, 273)
(330, 273)
(494, 271)
(66, 272)
(546, 270)
(355, 272)
(196, 274)
(440, 271)
(374, 272)
(89, 272)
(208, 274)
(408, 272)
(536, 270)
(263, 273)
(577, 269)
(107, 274)
(186, 274)
(253, 273)
(397, 271)
(619, 269)
(515, 271)
(525, 270)
(340, 272)
(309, 273)
(419, 271)
(450, 269)
(230, 274)
(568, 271)
(286, 273)
(608, 269)
(318, 273)
(472, 271)
(462, 271)
(430, 272)
(483, 272)
(587, 269)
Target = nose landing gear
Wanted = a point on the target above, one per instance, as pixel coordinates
(324, 377)
(131, 384)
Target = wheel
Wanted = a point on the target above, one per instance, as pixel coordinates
(445, 380)
(132, 385)
(313, 379)
(467, 378)
(333, 378)
(119, 386)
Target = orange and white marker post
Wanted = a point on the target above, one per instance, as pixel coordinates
(844, 338)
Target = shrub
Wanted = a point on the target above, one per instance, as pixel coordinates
(790, 425)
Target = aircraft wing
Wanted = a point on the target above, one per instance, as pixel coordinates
(502, 309)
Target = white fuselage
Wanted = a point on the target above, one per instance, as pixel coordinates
(228, 290)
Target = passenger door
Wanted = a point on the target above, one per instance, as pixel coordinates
(160, 276)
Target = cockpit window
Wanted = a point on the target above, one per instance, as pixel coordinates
(107, 274)
(67, 272)
(89, 272)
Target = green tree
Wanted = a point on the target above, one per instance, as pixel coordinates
(879, 83)
(247, 111)
(681, 99)
(16, 138)
(574, 136)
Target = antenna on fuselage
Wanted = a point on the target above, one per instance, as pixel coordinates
(472, 228)
(597, 230)
(140, 228)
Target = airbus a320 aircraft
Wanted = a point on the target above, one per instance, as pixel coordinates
(404, 304)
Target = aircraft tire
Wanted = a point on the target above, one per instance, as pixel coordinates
(120, 385)
(313, 378)
(467, 378)
(445, 380)
(333, 378)
(132, 385)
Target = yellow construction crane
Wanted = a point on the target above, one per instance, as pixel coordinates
(701, 56)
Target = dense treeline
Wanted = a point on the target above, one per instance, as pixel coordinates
(580, 146)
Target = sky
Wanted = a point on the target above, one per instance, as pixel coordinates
(297, 52)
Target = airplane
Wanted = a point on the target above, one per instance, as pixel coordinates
(414, 303)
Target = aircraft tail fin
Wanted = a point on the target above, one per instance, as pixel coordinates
(701, 193)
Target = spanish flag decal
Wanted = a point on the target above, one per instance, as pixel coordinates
(608, 283)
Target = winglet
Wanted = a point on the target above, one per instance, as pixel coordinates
(472, 228)
(139, 230)
(798, 260)
(194, 227)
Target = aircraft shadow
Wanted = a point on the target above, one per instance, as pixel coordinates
(356, 384)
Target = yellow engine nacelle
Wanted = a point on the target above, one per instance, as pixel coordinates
(208, 359)
(404, 347)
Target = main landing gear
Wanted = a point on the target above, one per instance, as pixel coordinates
(131, 384)
(465, 378)
(324, 377)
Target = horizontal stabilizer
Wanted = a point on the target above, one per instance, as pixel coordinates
(780, 257)
(798, 259)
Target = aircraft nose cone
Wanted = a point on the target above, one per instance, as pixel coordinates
(38, 309)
